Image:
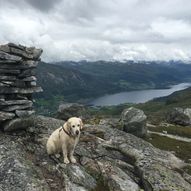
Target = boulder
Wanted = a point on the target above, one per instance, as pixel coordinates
(68, 110)
(180, 116)
(134, 121)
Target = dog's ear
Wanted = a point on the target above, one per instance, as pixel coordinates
(67, 126)
(81, 124)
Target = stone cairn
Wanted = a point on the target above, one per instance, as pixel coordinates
(17, 82)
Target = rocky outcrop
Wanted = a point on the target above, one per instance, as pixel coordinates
(68, 110)
(17, 81)
(180, 116)
(134, 121)
(108, 160)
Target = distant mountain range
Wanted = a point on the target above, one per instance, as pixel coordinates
(81, 80)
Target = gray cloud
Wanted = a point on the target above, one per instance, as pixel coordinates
(44, 5)
(97, 29)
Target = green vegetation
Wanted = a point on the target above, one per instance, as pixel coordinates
(158, 108)
(187, 169)
(174, 130)
(181, 149)
(108, 111)
(48, 107)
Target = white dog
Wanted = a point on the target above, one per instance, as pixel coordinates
(65, 139)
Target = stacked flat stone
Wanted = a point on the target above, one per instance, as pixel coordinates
(17, 81)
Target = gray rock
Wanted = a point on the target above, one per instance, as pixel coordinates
(10, 71)
(7, 83)
(14, 90)
(9, 64)
(21, 53)
(40, 123)
(47, 123)
(19, 50)
(134, 121)
(6, 115)
(10, 78)
(112, 122)
(29, 64)
(16, 83)
(6, 56)
(116, 178)
(2, 98)
(29, 79)
(24, 113)
(14, 102)
(116, 161)
(20, 97)
(36, 52)
(17, 170)
(79, 176)
(17, 107)
(68, 110)
(18, 123)
(180, 116)
(3, 85)
(154, 167)
(19, 84)
(26, 64)
(32, 83)
(19, 46)
(27, 73)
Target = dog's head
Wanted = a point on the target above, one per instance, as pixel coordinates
(74, 125)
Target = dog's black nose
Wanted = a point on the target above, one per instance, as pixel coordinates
(77, 132)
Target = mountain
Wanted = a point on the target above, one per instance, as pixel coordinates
(80, 80)
(71, 83)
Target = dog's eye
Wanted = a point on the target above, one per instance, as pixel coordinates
(78, 125)
(73, 126)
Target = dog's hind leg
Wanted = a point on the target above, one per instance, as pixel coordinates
(50, 148)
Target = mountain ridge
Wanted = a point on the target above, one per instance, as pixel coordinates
(84, 80)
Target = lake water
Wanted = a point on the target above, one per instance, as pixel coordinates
(139, 96)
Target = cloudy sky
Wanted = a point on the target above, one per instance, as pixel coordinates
(100, 29)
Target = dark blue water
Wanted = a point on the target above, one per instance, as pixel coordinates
(140, 96)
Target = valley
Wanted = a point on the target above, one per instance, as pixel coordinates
(84, 81)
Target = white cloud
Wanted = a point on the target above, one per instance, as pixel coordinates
(97, 29)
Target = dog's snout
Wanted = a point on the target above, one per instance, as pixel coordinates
(77, 132)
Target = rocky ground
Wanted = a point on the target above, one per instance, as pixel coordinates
(108, 159)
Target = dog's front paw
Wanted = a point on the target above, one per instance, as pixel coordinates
(73, 160)
(66, 161)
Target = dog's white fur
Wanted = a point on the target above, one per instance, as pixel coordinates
(59, 141)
